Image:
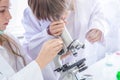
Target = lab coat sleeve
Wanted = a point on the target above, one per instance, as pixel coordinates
(97, 18)
(35, 34)
(31, 72)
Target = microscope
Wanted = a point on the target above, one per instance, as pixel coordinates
(69, 71)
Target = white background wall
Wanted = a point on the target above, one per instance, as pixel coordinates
(16, 9)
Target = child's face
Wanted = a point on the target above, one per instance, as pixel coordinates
(4, 14)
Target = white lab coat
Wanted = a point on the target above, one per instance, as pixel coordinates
(112, 14)
(87, 15)
(11, 67)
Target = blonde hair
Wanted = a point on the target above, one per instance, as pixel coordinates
(11, 43)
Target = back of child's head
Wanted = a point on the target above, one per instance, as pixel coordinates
(48, 9)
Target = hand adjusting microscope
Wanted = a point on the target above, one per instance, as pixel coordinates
(68, 71)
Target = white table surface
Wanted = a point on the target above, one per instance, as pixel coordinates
(101, 71)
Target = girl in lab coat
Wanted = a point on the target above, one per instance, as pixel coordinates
(12, 59)
(83, 19)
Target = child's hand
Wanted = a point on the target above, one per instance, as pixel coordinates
(94, 35)
(56, 28)
(49, 50)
